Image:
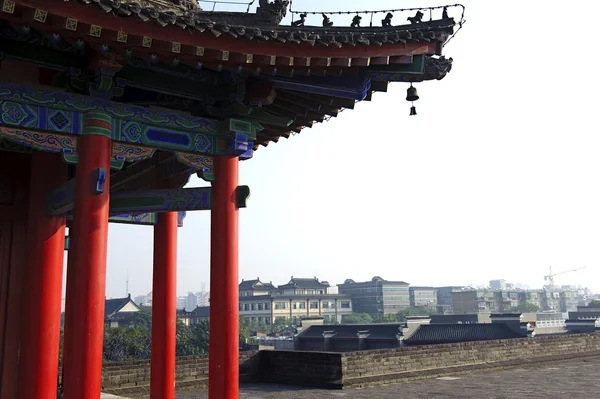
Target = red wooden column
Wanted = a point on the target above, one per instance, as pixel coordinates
(224, 312)
(38, 364)
(164, 305)
(71, 306)
(83, 366)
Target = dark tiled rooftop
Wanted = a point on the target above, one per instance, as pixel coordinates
(374, 331)
(263, 24)
(112, 306)
(447, 333)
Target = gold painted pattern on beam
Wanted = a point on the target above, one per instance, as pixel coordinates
(40, 16)
(8, 6)
(95, 31)
(71, 24)
(121, 37)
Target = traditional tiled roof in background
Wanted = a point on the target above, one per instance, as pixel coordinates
(112, 306)
(448, 333)
(250, 284)
(305, 283)
(372, 331)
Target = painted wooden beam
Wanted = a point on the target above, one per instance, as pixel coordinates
(143, 219)
(182, 199)
(136, 206)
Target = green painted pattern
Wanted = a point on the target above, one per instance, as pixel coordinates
(97, 123)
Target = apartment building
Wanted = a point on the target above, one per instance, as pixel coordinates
(423, 296)
(444, 298)
(476, 301)
(377, 297)
(289, 303)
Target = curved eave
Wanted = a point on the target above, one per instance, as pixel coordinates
(209, 39)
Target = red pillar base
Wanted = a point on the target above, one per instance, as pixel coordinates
(224, 312)
(164, 308)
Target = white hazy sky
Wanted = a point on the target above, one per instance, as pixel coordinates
(497, 177)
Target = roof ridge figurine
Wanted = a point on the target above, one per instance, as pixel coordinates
(273, 12)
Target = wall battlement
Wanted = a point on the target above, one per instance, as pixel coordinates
(354, 369)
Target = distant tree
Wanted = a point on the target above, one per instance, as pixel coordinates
(414, 311)
(124, 344)
(200, 332)
(143, 319)
(357, 318)
(388, 318)
(524, 308)
(594, 304)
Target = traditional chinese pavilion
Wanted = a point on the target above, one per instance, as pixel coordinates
(106, 109)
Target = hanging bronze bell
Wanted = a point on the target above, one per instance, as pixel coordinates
(411, 94)
(413, 111)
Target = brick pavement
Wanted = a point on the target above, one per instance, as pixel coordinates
(572, 379)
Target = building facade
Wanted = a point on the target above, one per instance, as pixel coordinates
(476, 301)
(377, 297)
(570, 300)
(423, 297)
(287, 304)
(444, 298)
(551, 300)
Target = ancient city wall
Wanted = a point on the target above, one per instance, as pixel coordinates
(392, 365)
(133, 378)
(342, 370)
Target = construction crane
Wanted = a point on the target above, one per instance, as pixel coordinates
(550, 276)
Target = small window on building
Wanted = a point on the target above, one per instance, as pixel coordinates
(310, 292)
(267, 306)
(325, 305)
(301, 305)
(252, 306)
(294, 305)
(345, 304)
(246, 307)
(299, 292)
(241, 307)
(314, 305)
(280, 305)
(260, 306)
(267, 320)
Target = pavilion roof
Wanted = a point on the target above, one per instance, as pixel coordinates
(281, 78)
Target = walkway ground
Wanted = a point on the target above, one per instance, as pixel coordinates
(572, 379)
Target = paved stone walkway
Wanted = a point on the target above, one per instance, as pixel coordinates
(571, 379)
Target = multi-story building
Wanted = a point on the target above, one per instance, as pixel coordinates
(144, 300)
(498, 284)
(511, 299)
(569, 300)
(444, 298)
(377, 297)
(551, 300)
(301, 297)
(476, 301)
(423, 296)
(535, 298)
